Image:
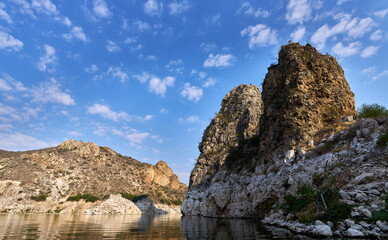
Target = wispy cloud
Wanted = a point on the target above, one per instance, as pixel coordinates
(159, 86)
(112, 46)
(50, 92)
(19, 142)
(219, 60)
(10, 43)
(381, 13)
(4, 15)
(298, 34)
(118, 74)
(192, 93)
(106, 112)
(48, 59)
(369, 51)
(260, 35)
(208, 47)
(247, 9)
(45, 6)
(346, 51)
(100, 9)
(77, 33)
(153, 8)
(178, 7)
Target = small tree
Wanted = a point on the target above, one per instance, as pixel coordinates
(372, 111)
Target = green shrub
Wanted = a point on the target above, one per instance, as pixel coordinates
(39, 198)
(381, 215)
(176, 202)
(382, 141)
(372, 111)
(133, 198)
(88, 198)
(165, 201)
(285, 183)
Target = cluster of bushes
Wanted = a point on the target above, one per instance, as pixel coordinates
(39, 198)
(382, 141)
(88, 198)
(309, 204)
(133, 198)
(372, 111)
(382, 214)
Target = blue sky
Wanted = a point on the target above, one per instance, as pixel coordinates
(146, 77)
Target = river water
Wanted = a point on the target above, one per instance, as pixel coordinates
(41, 226)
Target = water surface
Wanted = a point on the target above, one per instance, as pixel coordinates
(40, 226)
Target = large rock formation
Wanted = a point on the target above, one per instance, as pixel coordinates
(237, 121)
(75, 167)
(305, 93)
(306, 136)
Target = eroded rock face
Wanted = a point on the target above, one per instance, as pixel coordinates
(302, 94)
(237, 120)
(76, 167)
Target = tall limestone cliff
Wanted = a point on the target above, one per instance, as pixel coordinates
(237, 121)
(303, 129)
(303, 94)
(76, 167)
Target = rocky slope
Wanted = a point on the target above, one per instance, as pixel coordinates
(306, 146)
(52, 175)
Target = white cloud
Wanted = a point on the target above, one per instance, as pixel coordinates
(101, 9)
(219, 60)
(153, 8)
(381, 13)
(247, 9)
(74, 134)
(260, 35)
(9, 113)
(340, 2)
(107, 113)
(360, 27)
(5, 127)
(160, 86)
(19, 142)
(193, 119)
(142, 26)
(202, 74)
(175, 66)
(144, 77)
(380, 75)
(148, 117)
(213, 20)
(298, 11)
(118, 73)
(8, 42)
(77, 33)
(369, 51)
(137, 136)
(112, 46)
(44, 6)
(8, 83)
(50, 92)
(25, 7)
(369, 70)
(92, 69)
(179, 7)
(192, 93)
(163, 110)
(354, 28)
(377, 35)
(4, 15)
(49, 58)
(208, 47)
(130, 40)
(209, 82)
(346, 51)
(136, 48)
(298, 34)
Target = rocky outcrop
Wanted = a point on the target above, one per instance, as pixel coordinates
(114, 205)
(76, 167)
(238, 120)
(307, 138)
(305, 93)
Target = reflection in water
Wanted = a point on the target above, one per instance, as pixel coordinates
(215, 228)
(40, 226)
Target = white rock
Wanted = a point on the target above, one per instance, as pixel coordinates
(317, 223)
(382, 225)
(289, 156)
(361, 197)
(322, 230)
(354, 233)
(366, 213)
(365, 178)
